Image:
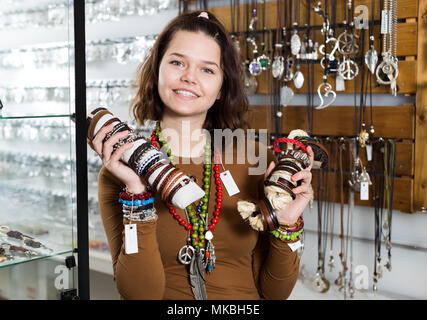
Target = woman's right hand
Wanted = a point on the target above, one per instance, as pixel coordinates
(111, 161)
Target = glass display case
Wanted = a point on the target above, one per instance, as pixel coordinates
(38, 207)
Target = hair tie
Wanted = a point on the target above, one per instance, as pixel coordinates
(203, 14)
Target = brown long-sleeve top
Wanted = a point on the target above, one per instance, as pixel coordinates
(249, 265)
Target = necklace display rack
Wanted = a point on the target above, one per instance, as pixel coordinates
(342, 55)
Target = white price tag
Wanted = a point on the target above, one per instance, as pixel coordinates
(229, 183)
(364, 191)
(369, 152)
(294, 246)
(131, 239)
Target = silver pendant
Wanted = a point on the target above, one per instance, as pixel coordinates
(331, 263)
(298, 80)
(186, 254)
(251, 84)
(264, 62)
(323, 49)
(327, 91)
(354, 181)
(278, 67)
(286, 96)
(371, 59)
(347, 43)
(348, 69)
(295, 44)
(320, 283)
(255, 68)
(289, 73)
(339, 282)
(388, 71)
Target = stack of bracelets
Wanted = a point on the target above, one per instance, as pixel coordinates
(278, 187)
(288, 233)
(138, 207)
(147, 161)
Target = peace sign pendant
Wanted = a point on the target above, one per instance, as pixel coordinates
(185, 254)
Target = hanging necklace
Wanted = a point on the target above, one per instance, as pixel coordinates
(264, 60)
(389, 167)
(371, 57)
(278, 64)
(296, 48)
(199, 251)
(387, 71)
(324, 90)
(251, 84)
(286, 93)
(379, 187)
(255, 67)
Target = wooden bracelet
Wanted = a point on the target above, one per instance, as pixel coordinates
(268, 216)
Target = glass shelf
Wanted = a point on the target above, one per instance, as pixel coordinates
(7, 117)
(20, 260)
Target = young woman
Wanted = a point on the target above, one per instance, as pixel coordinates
(192, 81)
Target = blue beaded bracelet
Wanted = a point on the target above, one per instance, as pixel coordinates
(137, 202)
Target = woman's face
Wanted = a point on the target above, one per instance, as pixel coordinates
(190, 75)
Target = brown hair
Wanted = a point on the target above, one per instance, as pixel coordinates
(230, 111)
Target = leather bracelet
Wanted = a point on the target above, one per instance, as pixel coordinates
(180, 184)
(92, 114)
(152, 159)
(93, 123)
(291, 164)
(152, 170)
(171, 181)
(145, 148)
(170, 186)
(134, 158)
(281, 186)
(117, 128)
(138, 208)
(299, 156)
(321, 154)
(166, 180)
(160, 176)
(289, 170)
(283, 181)
(149, 165)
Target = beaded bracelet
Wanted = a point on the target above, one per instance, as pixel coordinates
(128, 196)
(290, 234)
(138, 208)
(136, 203)
(288, 238)
(146, 215)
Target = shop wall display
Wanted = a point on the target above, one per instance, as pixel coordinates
(320, 51)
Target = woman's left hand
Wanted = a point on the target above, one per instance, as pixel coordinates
(304, 193)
